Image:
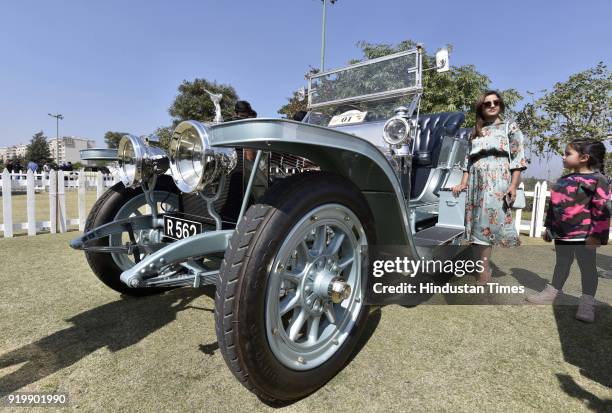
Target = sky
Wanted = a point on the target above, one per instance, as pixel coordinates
(116, 65)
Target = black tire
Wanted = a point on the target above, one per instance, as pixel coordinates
(105, 210)
(240, 295)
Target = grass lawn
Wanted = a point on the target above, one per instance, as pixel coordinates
(63, 330)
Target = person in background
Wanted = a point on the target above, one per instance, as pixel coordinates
(32, 166)
(243, 110)
(578, 220)
(238, 177)
(299, 115)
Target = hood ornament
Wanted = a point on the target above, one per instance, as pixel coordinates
(216, 98)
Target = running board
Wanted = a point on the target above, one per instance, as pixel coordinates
(438, 235)
(439, 242)
(450, 227)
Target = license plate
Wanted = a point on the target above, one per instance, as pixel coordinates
(179, 228)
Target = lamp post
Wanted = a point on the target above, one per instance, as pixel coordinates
(57, 117)
(323, 33)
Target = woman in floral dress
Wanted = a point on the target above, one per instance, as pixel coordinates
(492, 174)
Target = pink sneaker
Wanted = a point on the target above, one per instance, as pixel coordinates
(546, 296)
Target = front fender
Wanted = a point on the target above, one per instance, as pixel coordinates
(348, 155)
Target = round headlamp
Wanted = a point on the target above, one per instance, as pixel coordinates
(130, 154)
(396, 131)
(194, 163)
(139, 162)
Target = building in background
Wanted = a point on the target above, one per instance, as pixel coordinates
(15, 151)
(20, 150)
(63, 150)
(67, 148)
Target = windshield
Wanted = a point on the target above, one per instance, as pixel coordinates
(373, 111)
(386, 77)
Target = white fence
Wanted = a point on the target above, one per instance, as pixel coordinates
(535, 226)
(55, 183)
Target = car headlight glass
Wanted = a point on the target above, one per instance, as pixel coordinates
(194, 163)
(396, 131)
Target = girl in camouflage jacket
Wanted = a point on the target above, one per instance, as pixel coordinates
(578, 220)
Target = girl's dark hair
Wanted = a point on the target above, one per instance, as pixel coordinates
(479, 110)
(595, 149)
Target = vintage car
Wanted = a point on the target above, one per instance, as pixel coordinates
(283, 237)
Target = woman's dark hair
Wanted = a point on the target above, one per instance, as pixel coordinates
(479, 110)
(595, 149)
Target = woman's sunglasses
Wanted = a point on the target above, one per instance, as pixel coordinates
(491, 103)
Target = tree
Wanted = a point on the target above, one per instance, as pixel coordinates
(38, 149)
(164, 133)
(456, 90)
(192, 101)
(578, 107)
(112, 138)
(295, 104)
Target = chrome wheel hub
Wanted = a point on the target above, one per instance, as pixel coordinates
(314, 293)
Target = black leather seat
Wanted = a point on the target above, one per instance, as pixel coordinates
(433, 128)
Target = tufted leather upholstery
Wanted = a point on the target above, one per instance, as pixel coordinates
(433, 128)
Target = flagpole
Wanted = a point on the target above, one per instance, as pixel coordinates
(323, 38)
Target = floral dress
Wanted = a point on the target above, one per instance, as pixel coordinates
(487, 220)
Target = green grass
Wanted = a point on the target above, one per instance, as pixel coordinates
(62, 330)
(525, 215)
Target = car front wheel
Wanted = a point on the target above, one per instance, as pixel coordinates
(289, 304)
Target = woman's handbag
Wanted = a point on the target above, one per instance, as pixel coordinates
(519, 202)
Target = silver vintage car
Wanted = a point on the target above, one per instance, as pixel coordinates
(283, 237)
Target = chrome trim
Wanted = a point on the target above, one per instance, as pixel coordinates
(205, 167)
(99, 154)
(148, 162)
(386, 136)
(137, 146)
